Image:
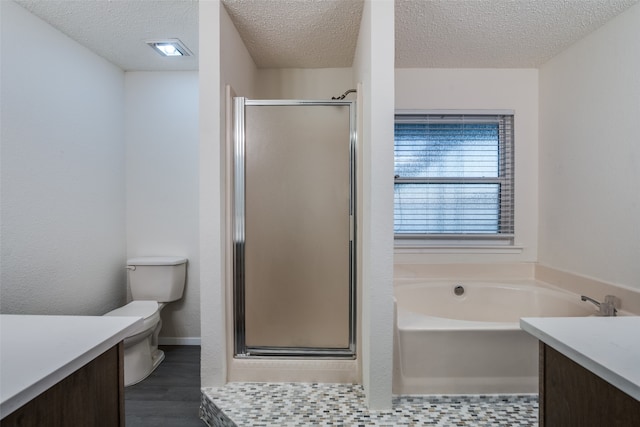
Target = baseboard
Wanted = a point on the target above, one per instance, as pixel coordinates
(179, 340)
(288, 370)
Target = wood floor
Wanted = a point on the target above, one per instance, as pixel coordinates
(171, 394)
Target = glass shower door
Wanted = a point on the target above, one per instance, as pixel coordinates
(294, 284)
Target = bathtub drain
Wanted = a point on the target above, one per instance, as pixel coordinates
(458, 290)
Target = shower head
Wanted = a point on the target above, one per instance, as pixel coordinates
(344, 94)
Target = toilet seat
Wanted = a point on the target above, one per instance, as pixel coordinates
(148, 310)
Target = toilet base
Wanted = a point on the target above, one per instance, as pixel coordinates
(141, 353)
(158, 357)
(140, 360)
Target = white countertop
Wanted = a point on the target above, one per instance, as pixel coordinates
(37, 352)
(607, 346)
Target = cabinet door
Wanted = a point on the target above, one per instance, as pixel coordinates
(571, 395)
(91, 396)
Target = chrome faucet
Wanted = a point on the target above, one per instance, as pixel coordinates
(609, 307)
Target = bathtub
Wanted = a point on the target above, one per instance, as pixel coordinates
(472, 343)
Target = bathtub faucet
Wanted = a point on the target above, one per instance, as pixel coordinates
(609, 307)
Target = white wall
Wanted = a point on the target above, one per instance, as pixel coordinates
(236, 65)
(212, 367)
(590, 155)
(63, 181)
(482, 89)
(307, 83)
(161, 128)
(223, 60)
(373, 67)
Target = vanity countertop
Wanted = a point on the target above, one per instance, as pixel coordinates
(607, 346)
(37, 352)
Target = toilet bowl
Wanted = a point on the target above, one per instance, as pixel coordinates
(141, 353)
(155, 281)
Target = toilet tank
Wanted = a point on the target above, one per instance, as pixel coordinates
(158, 278)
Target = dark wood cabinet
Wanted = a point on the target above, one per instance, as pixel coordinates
(93, 396)
(571, 395)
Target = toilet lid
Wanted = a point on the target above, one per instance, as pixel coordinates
(144, 309)
(157, 260)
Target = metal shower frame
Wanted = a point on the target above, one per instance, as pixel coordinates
(241, 350)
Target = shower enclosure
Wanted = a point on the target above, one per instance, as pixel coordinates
(294, 228)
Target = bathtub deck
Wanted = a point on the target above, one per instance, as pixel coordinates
(289, 404)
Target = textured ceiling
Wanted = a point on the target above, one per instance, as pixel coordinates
(323, 33)
(298, 33)
(117, 30)
(494, 33)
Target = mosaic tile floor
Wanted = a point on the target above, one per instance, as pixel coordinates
(295, 404)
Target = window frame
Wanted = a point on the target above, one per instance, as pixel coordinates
(506, 148)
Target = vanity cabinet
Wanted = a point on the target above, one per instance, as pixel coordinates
(63, 371)
(571, 395)
(91, 396)
(589, 373)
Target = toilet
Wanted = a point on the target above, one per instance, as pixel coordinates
(154, 281)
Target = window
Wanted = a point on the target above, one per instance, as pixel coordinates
(454, 177)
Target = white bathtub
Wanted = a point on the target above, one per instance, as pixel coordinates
(472, 343)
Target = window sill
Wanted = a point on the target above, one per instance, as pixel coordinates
(424, 248)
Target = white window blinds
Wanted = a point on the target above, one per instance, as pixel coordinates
(454, 176)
